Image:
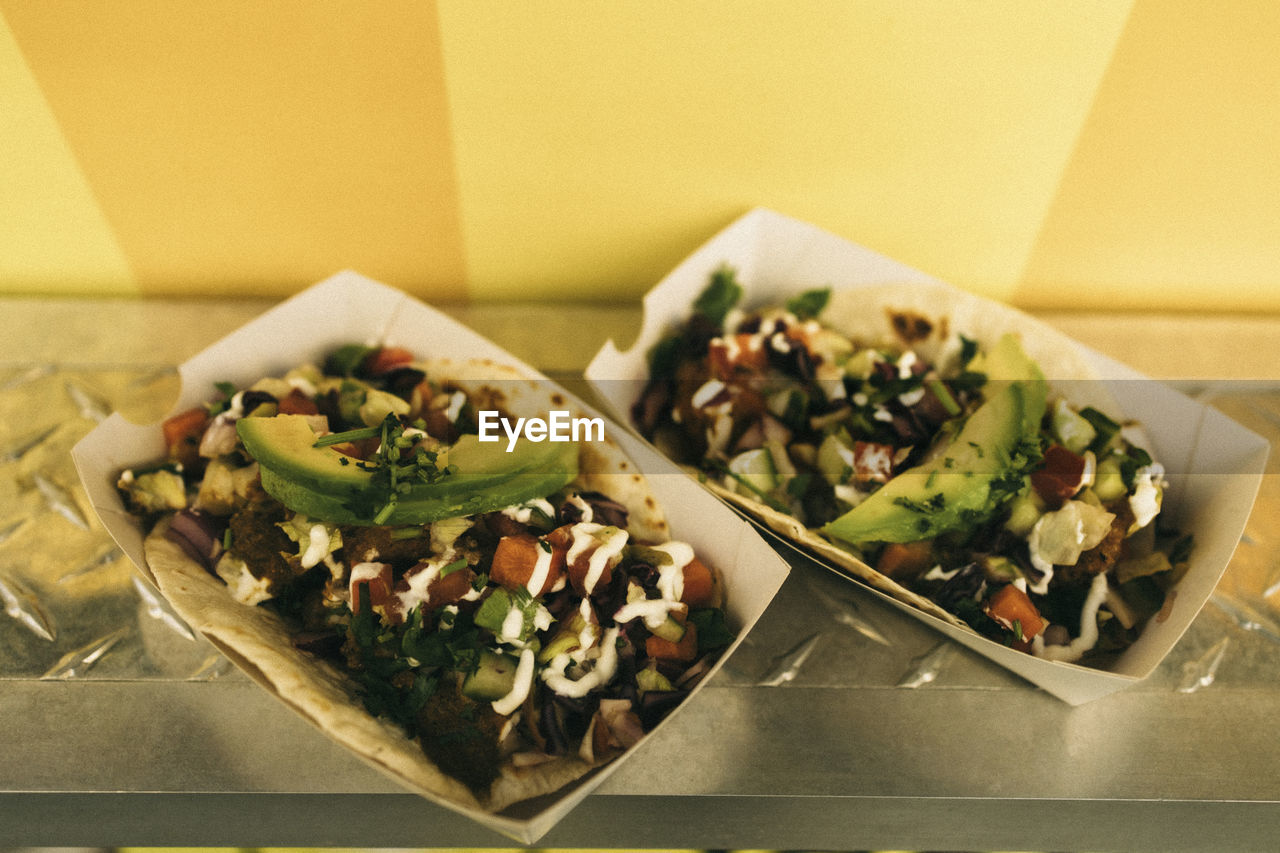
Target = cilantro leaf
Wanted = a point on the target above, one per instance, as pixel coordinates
(810, 303)
(720, 296)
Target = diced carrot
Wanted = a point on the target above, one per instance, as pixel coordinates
(386, 359)
(905, 559)
(699, 584)
(298, 403)
(685, 650)
(1010, 606)
(182, 434)
(516, 557)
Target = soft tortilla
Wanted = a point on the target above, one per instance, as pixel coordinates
(258, 642)
(928, 318)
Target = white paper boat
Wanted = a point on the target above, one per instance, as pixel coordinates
(349, 308)
(1214, 465)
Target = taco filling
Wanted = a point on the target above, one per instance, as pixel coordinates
(500, 614)
(947, 473)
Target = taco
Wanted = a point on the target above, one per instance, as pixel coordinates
(949, 452)
(486, 626)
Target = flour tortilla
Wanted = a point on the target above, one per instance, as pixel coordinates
(929, 318)
(258, 642)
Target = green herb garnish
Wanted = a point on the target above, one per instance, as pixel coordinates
(720, 296)
(810, 303)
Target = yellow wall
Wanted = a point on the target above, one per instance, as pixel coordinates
(1083, 154)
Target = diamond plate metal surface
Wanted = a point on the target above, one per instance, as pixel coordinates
(74, 606)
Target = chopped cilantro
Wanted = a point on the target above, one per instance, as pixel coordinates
(1104, 428)
(455, 566)
(933, 503)
(810, 303)
(720, 296)
(713, 632)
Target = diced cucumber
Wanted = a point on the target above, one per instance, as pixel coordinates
(493, 677)
(1024, 511)
(568, 638)
(649, 680)
(755, 469)
(1108, 483)
(1072, 430)
(670, 630)
(782, 464)
(835, 461)
(861, 364)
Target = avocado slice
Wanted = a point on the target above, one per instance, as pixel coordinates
(324, 484)
(981, 468)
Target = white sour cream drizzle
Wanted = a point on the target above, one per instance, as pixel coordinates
(708, 392)
(523, 513)
(605, 666)
(671, 576)
(520, 687)
(362, 573)
(588, 514)
(512, 626)
(652, 610)
(1074, 650)
(541, 569)
(609, 541)
(317, 546)
(419, 582)
(1145, 500)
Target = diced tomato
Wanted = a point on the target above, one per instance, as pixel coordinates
(735, 353)
(182, 434)
(905, 559)
(699, 584)
(386, 359)
(442, 590)
(1012, 607)
(376, 578)
(516, 558)
(1060, 477)
(297, 403)
(449, 589)
(685, 650)
(360, 449)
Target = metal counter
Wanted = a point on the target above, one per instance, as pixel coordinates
(841, 724)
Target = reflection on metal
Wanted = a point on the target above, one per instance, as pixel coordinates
(7, 531)
(60, 501)
(1200, 673)
(159, 609)
(79, 661)
(103, 559)
(90, 406)
(21, 604)
(25, 445)
(926, 668)
(214, 666)
(31, 374)
(845, 610)
(1247, 617)
(787, 666)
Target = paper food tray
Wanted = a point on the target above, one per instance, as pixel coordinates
(349, 308)
(1214, 466)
